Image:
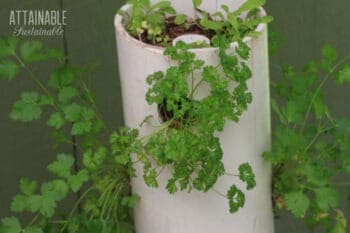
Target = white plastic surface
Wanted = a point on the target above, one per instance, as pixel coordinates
(195, 212)
(192, 38)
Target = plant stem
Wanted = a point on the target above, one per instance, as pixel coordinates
(230, 174)
(76, 206)
(323, 82)
(219, 193)
(32, 75)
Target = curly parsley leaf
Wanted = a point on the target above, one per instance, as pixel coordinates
(247, 175)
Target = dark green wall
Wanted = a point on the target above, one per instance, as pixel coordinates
(26, 149)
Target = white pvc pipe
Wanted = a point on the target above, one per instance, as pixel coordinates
(196, 212)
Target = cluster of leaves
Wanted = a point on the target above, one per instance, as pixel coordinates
(310, 150)
(71, 111)
(186, 141)
(146, 21)
(233, 24)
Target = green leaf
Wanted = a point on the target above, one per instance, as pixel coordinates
(72, 112)
(31, 50)
(343, 75)
(8, 69)
(92, 161)
(56, 121)
(329, 56)
(28, 187)
(151, 178)
(246, 175)
(210, 24)
(326, 198)
(81, 128)
(10, 225)
(171, 186)
(34, 203)
(297, 202)
(47, 207)
(196, 3)
(33, 229)
(46, 100)
(236, 198)
(8, 46)
(27, 108)
(249, 5)
(19, 203)
(180, 19)
(76, 181)
(162, 5)
(130, 201)
(62, 165)
(34, 51)
(55, 190)
(66, 94)
(122, 159)
(317, 174)
(62, 77)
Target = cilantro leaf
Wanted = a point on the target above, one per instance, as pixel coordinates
(19, 203)
(56, 121)
(47, 206)
(27, 108)
(8, 46)
(329, 56)
(297, 202)
(326, 198)
(62, 165)
(343, 75)
(76, 181)
(81, 127)
(72, 112)
(32, 51)
(66, 94)
(10, 225)
(55, 190)
(62, 77)
(8, 69)
(27, 187)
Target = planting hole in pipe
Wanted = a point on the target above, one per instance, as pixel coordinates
(166, 115)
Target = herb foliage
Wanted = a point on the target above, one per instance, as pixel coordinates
(310, 149)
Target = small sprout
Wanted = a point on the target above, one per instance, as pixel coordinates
(139, 30)
(157, 30)
(145, 24)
